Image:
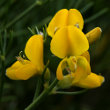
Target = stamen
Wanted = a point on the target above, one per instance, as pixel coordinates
(24, 57)
(41, 33)
(56, 28)
(20, 59)
(68, 70)
(21, 53)
(72, 64)
(75, 67)
(77, 25)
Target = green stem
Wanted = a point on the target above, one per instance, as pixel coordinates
(95, 16)
(32, 32)
(87, 7)
(10, 41)
(21, 15)
(40, 82)
(2, 78)
(3, 51)
(42, 96)
(4, 43)
(70, 93)
(44, 21)
(37, 2)
(43, 73)
(38, 88)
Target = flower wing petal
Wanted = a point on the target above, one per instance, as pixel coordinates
(69, 41)
(34, 51)
(60, 43)
(78, 41)
(61, 66)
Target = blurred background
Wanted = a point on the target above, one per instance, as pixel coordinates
(18, 94)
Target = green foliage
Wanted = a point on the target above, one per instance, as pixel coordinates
(18, 21)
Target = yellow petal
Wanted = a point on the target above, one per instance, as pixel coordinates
(69, 41)
(75, 18)
(92, 81)
(59, 20)
(78, 41)
(83, 69)
(86, 55)
(34, 51)
(60, 68)
(65, 17)
(67, 63)
(21, 70)
(78, 66)
(94, 34)
(60, 43)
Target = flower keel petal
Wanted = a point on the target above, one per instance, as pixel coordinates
(83, 69)
(21, 71)
(92, 81)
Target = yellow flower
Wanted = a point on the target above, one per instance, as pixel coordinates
(94, 34)
(63, 18)
(24, 69)
(71, 17)
(77, 67)
(67, 37)
(79, 73)
(69, 41)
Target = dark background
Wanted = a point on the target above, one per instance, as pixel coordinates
(18, 94)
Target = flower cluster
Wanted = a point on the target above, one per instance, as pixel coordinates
(69, 44)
